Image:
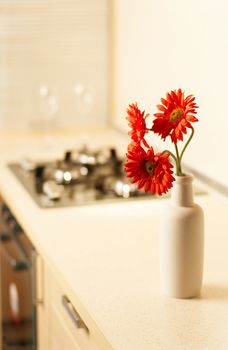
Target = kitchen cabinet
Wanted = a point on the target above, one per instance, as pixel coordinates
(0, 314)
(59, 326)
(42, 299)
(0, 296)
(61, 338)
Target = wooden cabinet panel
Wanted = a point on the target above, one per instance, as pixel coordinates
(59, 326)
(60, 336)
(43, 307)
(71, 318)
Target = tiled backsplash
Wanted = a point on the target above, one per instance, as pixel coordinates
(53, 63)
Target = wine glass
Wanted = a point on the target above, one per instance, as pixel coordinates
(84, 100)
(49, 105)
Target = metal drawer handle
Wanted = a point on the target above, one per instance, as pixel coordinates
(73, 313)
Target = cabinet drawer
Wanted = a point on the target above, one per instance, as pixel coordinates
(61, 336)
(71, 318)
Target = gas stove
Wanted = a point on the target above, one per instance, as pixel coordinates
(80, 177)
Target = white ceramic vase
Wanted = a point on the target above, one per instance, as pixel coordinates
(182, 242)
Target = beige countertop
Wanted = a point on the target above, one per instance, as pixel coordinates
(108, 256)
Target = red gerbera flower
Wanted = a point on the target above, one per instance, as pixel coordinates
(176, 114)
(149, 170)
(137, 123)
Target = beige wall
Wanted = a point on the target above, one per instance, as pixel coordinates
(163, 45)
(59, 43)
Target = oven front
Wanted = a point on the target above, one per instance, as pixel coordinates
(18, 312)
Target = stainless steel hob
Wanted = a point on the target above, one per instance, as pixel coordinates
(81, 177)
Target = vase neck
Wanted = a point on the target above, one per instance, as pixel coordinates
(182, 191)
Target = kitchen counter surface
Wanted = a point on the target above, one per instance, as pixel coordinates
(108, 256)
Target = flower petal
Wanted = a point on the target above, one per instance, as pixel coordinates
(174, 115)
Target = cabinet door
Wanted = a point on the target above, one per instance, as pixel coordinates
(42, 303)
(68, 315)
(60, 337)
(59, 326)
(0, 312)
(52, 333)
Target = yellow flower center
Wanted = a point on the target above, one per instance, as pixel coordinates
(176, 114)
(150, 167)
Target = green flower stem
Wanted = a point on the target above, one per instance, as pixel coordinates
(178, 156)
(187, 143)
(171, 154)
(178, 163)
(178, 171)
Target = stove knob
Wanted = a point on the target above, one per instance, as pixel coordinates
(52, 190)
(113, 154)
(5, 237)
(116, 162)
(6, 214)
(39, 172)
(68, 157)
